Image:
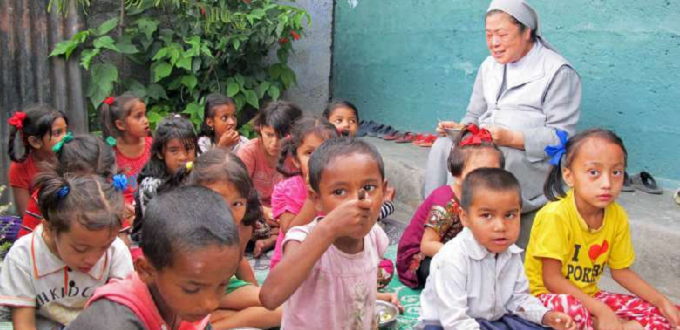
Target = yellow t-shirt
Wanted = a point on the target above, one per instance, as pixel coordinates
(560, 233)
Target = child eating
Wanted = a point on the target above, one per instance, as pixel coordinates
(328, 275)
(477, 279)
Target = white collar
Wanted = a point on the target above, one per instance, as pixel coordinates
(478, 252)
(45, 262)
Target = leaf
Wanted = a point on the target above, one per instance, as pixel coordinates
(136, 87)
(264, 87)
(287, 77)
(237, 44)
(65, 48)
(275, 71)
(232, 89)
(156, 91)
(147, 26)
(163, 52)
(101, 84)
(162, 70)
(252, 99)
(125, 46)
(184, 63)
(195, 111)
(106, 27)
(240, 101)
(87, 56)
(282, 54)
(196, 65)
(105, 42)
(81, 36)
(240, 80)
(189, 81)
(274, 92)
(153, 118)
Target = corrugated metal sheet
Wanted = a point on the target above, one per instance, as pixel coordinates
(28, 33)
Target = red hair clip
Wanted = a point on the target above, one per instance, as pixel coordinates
(109, 100)
(477, 136)
(17, 120)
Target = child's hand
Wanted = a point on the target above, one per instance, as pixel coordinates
(559, 321)
(349, 217)
(394, 299)
(229, 138)
(390, 192)
(446, 124)
(671, 313)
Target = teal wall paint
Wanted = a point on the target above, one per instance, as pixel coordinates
(410, 62)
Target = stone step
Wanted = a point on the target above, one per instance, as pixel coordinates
(654, 219)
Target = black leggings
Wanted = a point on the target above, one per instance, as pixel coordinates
(423, 271)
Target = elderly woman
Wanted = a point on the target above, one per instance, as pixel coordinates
(523, 93)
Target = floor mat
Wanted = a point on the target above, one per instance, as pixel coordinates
(408, 297)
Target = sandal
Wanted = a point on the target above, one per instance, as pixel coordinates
(426, 141)
(373, 130)
(386, 130)
(627, 183)
(644, 181)
(407, 138)
(394, 135)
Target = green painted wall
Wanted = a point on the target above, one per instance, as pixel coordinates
(409, 62)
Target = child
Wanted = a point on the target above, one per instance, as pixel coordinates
(48, 275)
(290, 205)
(85, 154)
(437, 219)
(261, 156)
(174, 145)
(328, 275)
(184, 270)
(39, 128)
(223, 172)
(219, 124)
(479, 274)
(582, 231)
(345, 116)
(126, 128)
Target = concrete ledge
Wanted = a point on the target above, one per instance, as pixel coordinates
(654, 219)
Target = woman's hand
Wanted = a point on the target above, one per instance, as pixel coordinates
(446, 124)
(558, 321)
(229, 138)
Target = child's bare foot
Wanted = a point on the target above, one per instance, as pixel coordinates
(263, 245)
(631, 325)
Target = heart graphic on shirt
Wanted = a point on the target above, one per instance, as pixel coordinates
(596, 251)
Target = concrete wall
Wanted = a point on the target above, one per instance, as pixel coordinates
(312, 59)
(409, 62)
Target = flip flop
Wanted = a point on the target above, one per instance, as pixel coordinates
(386, 130)
(426, 141)
(644, 181)
(407, 138)
(373, 130)
(394, 136)
(627, 183)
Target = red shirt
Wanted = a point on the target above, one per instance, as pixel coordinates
(21, 175)
(132, 166)
(32, 216)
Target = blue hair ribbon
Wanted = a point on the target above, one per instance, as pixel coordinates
(555, 152)
(63, 191)
(120, 182)
(68, 137)
(111, 141)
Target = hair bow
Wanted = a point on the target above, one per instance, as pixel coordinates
(120, 182)
(109, 100)
(66, 139)
(189, 166)
(555, 152)
(63, 191)
(111, 141)
(477, 136)
(18, 120)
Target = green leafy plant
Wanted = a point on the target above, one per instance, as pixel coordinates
(190, 49)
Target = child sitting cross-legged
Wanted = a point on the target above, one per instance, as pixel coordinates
(328, 275)
(477, 280)
(183, 272)
(49, 274)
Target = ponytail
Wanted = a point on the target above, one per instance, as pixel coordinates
(554, 186)
(288, 149)
(115, 108)
(35, 121)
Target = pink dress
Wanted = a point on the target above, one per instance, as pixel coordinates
(340, 291)
(288, 197)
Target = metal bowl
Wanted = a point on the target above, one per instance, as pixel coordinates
(452, 132)
(386, 314)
